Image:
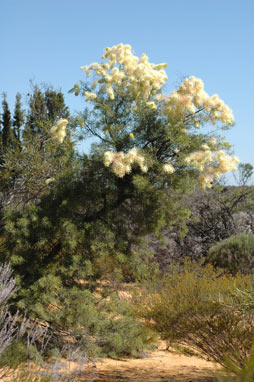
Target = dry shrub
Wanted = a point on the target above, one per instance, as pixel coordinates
(70, 365)
(197, 307)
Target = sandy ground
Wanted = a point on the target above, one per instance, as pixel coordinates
(158, 366)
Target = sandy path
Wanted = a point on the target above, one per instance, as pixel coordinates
(158, 366)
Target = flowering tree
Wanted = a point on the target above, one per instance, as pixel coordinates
(150, 153)
(145, 130)
(95, 209)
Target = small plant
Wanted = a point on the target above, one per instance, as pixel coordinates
(235, 254)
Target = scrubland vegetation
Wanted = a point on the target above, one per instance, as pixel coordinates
(145, 206)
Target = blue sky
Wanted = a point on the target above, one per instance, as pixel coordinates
(48, 40)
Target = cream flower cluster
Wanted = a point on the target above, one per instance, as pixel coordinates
(211, 164)
(49, 180)
(168, 168)
(134, 75)
(190, 97)
(59, 130)
(90, 96)
(121, 162)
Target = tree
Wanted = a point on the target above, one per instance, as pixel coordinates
(245, 172)
(150, 153)
(7, 135)
(34, 156)
(55, 105)
(149, 142)
(45, 107)
(86, 223)
(37, 111)
(18, 118)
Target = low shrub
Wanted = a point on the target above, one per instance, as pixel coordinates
(12, 327)
(96, 318)
(198, 307)
(232, 371)
(235, 254)
(23, 345)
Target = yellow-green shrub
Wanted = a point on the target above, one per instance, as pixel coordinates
(233, 373)
(197, 307)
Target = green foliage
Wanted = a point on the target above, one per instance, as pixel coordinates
(196, 306)
(233, 373)
(17, 353)
(45, 107)
(99, 322)
(235, 254)
(18, 118)
(51, 248)
(244, 174)
(8, 139)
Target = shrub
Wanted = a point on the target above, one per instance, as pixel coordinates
(235, 254)
(23, 344)
(14, 329)
(96, 318)
(8, 323)
(69, 365)
(197, 307)
(233, 373)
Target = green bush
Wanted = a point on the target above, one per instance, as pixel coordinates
(234, 373)
(91, 314)
(198, 307)
(235, 254)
